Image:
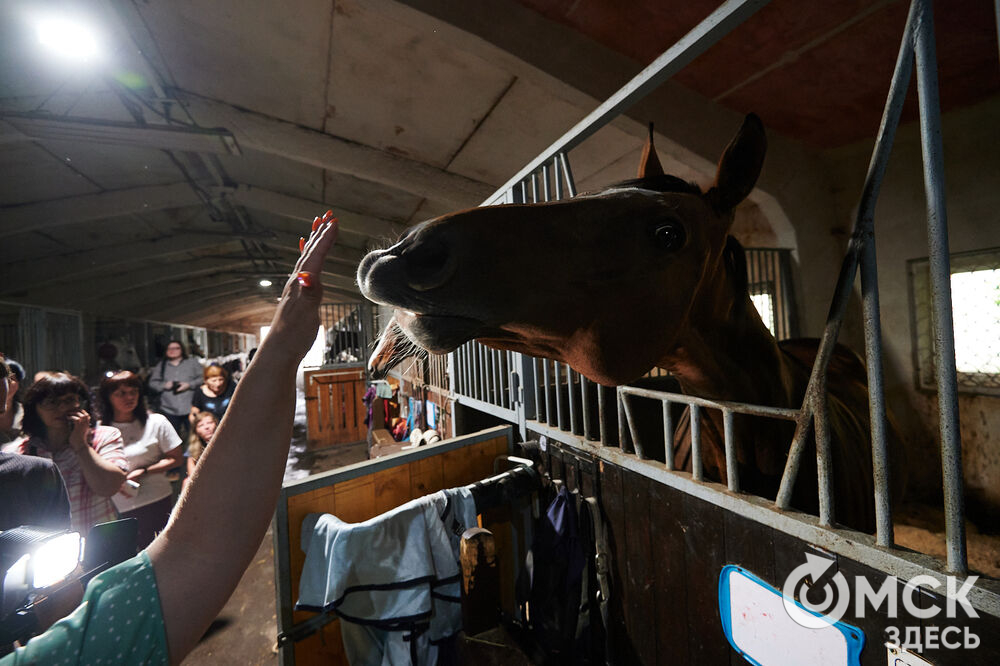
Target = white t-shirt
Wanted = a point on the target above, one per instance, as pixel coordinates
(143, 447)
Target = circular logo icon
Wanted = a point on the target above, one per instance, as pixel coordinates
(807, 612)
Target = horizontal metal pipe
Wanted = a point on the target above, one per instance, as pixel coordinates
(738, 407)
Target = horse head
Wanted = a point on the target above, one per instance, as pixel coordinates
(608, 282)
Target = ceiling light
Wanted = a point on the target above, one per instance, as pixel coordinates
(265, 283)
(68, 38)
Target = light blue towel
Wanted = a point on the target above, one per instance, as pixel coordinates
(396, 578)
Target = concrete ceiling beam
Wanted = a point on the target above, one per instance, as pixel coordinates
(274, 136)
(96, 289)
(38, 272)
(24, 218)
(298, 208)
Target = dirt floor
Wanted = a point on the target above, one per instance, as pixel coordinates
(245, 631)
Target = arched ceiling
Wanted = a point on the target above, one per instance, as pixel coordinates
(165, 179)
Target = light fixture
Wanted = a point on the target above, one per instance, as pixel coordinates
(33, 558)
(265, 283)
(68, 38)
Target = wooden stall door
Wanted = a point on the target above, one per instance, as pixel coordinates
(335, 411)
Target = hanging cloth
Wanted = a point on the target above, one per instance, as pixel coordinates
(395, 580)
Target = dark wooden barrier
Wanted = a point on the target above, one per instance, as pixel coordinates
(669, 548)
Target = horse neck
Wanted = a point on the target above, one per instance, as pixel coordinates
(726, 353)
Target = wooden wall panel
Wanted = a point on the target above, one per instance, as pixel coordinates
(666, 507)
(640, 580)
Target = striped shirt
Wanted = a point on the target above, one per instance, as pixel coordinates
(87, 508)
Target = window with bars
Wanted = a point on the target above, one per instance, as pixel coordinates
(975, 295)
(770, 280)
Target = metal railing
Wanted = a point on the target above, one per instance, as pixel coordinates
(562, 402)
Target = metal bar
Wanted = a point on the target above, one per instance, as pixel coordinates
(876, 397)
(715, 26)
(509, 396)
(738, 407)
(696, 467)
(602, 423)
(560, 412)
(557, 178)
(668, 435)
(824, 458)
(497, 376)
(940, 273)
(534, 182)
(568, 172)
(546, 191)
(632, 428)
(548, 393)
(586, 408)
(571, 400)
(577, 398)
(732, 463)
(863, 225)
(622, 435)
(467, 362)
(538, 393)
(483, 373)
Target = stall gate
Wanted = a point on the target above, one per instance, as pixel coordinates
(681, 544)
(335, 409)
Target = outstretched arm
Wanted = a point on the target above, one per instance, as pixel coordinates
(226, 508)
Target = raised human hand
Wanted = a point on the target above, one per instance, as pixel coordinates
(297, 318)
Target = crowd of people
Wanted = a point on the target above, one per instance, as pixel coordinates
(77, 457)
(116, 456)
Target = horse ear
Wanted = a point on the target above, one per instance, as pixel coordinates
(740, 165)
(649, 164)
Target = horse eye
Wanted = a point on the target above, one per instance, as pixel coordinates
(669, 235)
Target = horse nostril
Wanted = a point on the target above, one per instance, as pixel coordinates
(429, 264)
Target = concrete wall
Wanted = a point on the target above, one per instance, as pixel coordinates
(972, 175)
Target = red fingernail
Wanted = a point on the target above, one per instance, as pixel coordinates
(302, 244)
(329, 213)
(305, 279)
(316, 223)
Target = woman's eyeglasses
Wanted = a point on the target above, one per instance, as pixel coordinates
(63, 402)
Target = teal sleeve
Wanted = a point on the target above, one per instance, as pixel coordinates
(118, 622)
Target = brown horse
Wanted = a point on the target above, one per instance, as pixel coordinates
(637, 275)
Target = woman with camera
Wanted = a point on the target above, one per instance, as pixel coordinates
(174, 380)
